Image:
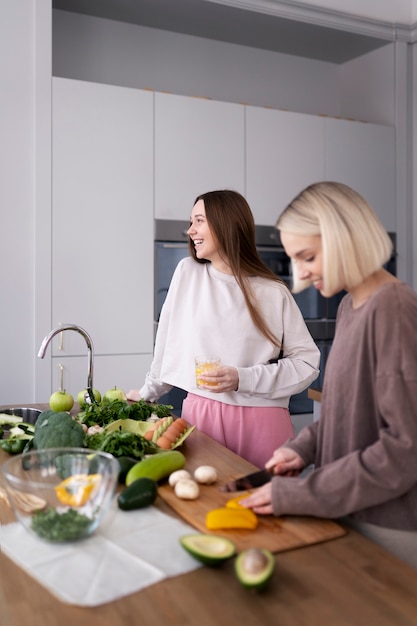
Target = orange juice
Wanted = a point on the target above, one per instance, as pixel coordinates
(205, 364)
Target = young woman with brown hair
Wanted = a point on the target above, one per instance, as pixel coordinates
(224, 300)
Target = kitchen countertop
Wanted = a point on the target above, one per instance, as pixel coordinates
(345, 581)
(314, 394)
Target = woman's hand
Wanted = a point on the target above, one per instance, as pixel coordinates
(133, 395)
(286, 462)
(260, 500)
(222, 379)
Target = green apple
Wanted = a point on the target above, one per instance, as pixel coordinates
(61, 401)
(81, 397)
(115, 393)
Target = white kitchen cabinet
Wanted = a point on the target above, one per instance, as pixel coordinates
(125, 371)
(102, 227)
(284, 154)
(362, 156)
(199, 147)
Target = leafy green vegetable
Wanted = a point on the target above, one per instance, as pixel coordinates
(19, 438)
(54, 526)
(107, 412)
(121, 443)
(13, 445)
(57, 430)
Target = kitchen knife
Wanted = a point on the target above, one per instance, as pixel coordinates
(256, 479)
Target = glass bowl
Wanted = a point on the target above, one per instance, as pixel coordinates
(61, 494)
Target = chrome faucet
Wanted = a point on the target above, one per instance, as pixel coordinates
(89, 395)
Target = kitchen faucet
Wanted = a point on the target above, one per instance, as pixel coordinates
(89, 395)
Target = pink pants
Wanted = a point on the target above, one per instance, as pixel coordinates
(253, 433)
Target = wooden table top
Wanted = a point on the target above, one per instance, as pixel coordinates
(342, 582)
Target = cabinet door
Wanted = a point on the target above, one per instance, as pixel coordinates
(284, 154)
(362, 156)
(124, 371)
(102, 223)
(199, 147)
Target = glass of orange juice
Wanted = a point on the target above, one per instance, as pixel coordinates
(204, 364)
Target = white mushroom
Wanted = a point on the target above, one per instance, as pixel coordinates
(205, 474)
(93, 430)
(187, 489)
(178, 475)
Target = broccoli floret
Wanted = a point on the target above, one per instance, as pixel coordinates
(57, 430)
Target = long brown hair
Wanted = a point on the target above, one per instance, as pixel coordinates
(232, 224)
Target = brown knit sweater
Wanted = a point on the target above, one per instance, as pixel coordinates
(364, 447)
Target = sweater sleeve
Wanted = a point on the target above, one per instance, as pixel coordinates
(298, 368)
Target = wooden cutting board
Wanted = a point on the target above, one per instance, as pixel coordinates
(273, 533)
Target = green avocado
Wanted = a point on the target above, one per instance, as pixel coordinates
(254, 567)
(125, 463)
(142, 492)
(208, 549)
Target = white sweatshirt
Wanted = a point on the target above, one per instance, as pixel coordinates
(205, 313)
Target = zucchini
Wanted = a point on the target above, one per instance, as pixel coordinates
(156, 466)
(141, 493)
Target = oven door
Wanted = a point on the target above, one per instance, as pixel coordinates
(167, 256)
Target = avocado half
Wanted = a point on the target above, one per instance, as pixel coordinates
(208, 549)
(254, 567)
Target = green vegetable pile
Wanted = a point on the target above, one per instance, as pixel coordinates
(59, 430)
(121, 443)
(107, 412)
(54, 526)
(19, 435)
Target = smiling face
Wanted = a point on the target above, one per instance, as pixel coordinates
(307, 256)
(205, 243)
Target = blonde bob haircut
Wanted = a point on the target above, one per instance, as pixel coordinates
(354, 242)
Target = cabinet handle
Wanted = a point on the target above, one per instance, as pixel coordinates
(61, 341)
(61, 376)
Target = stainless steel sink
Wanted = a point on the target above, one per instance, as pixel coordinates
(28, 415)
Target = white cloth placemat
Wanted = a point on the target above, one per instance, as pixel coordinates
(130, 551)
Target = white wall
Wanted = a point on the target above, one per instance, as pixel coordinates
(17, 202)
(95, 49)
(367, 86)
(400, 11)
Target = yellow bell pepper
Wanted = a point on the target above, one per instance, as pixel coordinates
(227, 517)
(234, 503)
(76, 490)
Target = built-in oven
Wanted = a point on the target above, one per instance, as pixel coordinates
(171, 245)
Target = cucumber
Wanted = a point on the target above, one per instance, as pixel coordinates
(141, 493)
(156, 466)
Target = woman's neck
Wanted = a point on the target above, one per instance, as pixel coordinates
(362, 292)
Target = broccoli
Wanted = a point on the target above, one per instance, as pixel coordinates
(57, 430)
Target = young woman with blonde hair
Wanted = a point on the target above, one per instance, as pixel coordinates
(224, 300)
(364, 447)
